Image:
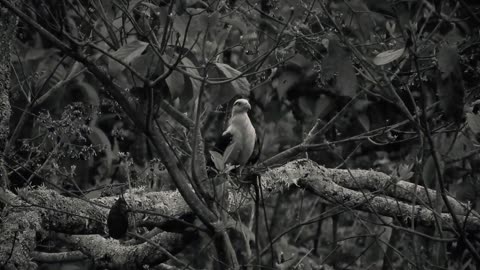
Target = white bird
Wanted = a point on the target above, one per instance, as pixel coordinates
(240, 135)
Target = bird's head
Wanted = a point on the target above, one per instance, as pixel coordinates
(240, 106)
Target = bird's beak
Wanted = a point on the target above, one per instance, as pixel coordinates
(248, 106)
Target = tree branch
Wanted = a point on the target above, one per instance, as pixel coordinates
(111, 254)
(363, 190)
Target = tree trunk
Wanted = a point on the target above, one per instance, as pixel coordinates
(8, 25)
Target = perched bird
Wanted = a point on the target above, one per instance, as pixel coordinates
(117, 221)
(239, 135)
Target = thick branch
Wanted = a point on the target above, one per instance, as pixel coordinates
(18, 230)
(58, 257)
(8, 26)
(382, 205)
(78, 216)
(357, 190)
(110, 254)
(373, 181)
(88, 217)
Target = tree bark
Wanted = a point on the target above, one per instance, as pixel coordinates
(8, 25)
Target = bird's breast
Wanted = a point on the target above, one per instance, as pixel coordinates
(244, 137)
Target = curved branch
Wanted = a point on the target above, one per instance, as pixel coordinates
(111, 254)
(58, 257)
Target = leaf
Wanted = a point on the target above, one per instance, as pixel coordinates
(176, 83)
(429, 173)
(301, 61)
(195, 4)
(94, 194)
(222, 93)
(360, 18)
(76, 68)
(240, 84)
(187, 93)
(473, 122)
(199, 24)
(125, 25)
(133, 3)
(105, 7)
(148, 64)
(217, 159)
(126, 54)
(228, 152)
(448, 60)
(389, 56)
(390, 26)
(190, 69)
(324, 105)
(364, 121)
(230, 167)
(405, 171)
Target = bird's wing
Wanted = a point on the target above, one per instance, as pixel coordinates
(257, 151)
(224, 147)
(223, 141)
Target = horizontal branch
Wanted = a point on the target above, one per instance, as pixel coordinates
(363, 190)
(34, 211)
(45, 257)
(111, 254)
(383, 205)
(367, 180)
(80, 216)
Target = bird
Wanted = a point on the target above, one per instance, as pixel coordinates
(117, 221)
(240, 135)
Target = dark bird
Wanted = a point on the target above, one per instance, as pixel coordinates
(117, 221)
